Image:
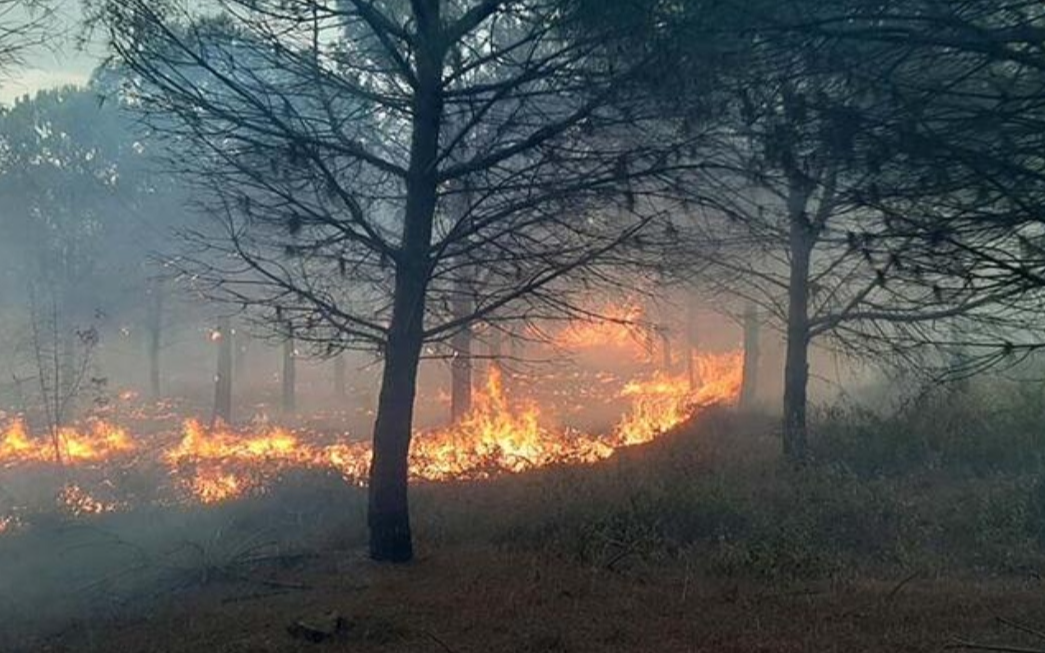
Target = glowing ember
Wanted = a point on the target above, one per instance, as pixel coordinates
(9, 523)
(77, 501)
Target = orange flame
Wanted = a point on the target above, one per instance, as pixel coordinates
(499, 435)
(221, 464)
(662, 402)
(102, 441)
(617, 328)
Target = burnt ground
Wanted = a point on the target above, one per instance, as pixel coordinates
(703, 542)
(466, 601)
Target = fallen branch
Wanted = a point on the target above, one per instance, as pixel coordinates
(970, 646)
(253, 597)
(441, 643)
(903, 583)
(1021, 627)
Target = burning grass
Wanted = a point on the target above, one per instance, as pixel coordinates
(201, 465)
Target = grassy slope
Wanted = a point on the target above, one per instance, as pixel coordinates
(703, 542)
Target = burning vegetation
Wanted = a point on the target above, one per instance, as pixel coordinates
(503, 433)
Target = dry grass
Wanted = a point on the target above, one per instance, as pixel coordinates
(481, 600)
(704, 542)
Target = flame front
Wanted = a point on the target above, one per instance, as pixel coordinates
(99, 442)
(501, 434)
(662, 402)
(497, 436)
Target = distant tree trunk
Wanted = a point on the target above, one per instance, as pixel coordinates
(665, 343)
(223, 378)
(796, 367)
(691, 346)
(289, 376)
(388, 515)
(241, 353)
(67, 377)
(461, 372)
(496, 353)
(340, 385)
(155, 338)
(752, 355)
(517, 349)
(461, 343)
(495, 344)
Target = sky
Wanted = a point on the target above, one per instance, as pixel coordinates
(59, 64)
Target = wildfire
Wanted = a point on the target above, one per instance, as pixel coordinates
(501, 434)
(221, 464)
(101, 441)
(664, 401)
(499, 437)
(617, 328)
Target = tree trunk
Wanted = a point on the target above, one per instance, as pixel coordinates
(67, 381)
(796, 367)
(496, 354)
(461, 343)
(691, 346)
(461, 375)
(155, 338)
(752, 355)
(388, 515)
(241, 353)
(495, 346)
(223, 378)
(517, 351)
(289, 377)
(340, 385)
(665, 343)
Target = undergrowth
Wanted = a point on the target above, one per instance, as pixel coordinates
(954, 484)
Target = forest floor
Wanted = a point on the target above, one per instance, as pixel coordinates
(705, 542)
(465, 601)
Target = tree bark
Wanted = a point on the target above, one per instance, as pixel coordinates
(796, 367)
(289, 377)
(461, 374)
(752, 356)
(388, 514)
(461, 364)
(155, 338)
(223, 378)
